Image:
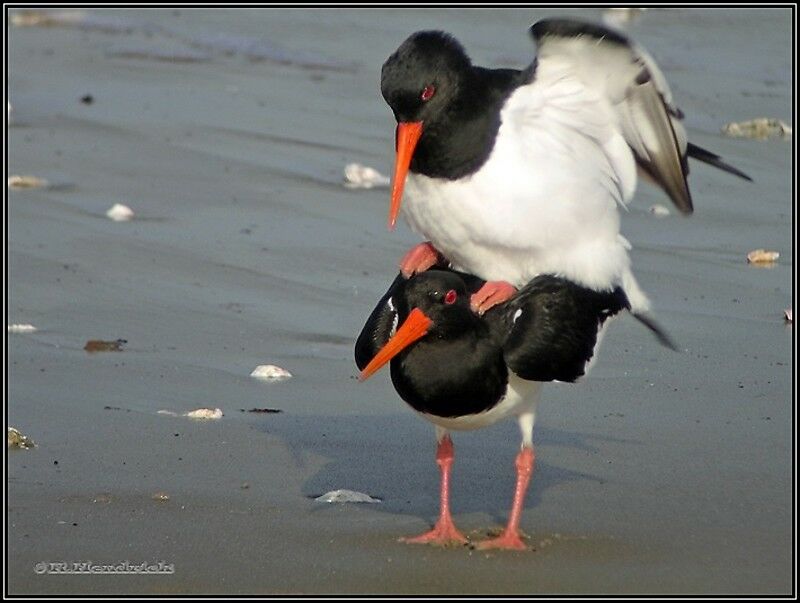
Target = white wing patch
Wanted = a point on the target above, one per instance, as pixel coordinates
(396, 318)
(635, 95)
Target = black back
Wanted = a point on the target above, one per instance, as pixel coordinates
(552, 326)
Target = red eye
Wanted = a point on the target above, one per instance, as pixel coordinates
(428, 92)
(450, 297)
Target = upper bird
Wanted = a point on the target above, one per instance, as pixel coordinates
(513, 173)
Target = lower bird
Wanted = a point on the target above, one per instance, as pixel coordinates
(462, 370)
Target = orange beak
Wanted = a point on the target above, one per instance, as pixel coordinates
(414, 327)
(408, 134)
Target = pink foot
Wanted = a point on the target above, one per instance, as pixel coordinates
(419, 258)
(510, 541)
(444, 533)
(491, 294)
(510, 538)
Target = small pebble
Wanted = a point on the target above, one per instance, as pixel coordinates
(659, 210)
(120, 213)
(270, 372)
(787, 314)
(21, 328)
(160, 497)
(96, 345)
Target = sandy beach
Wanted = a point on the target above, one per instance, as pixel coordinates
(227, 132)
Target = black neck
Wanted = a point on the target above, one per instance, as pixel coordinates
(460, 142)
(451, 377)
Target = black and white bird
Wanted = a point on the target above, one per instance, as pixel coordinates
(513, 173)
(462, 371)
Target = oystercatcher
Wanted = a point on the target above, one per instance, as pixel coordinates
(462, 371)
(513, 173)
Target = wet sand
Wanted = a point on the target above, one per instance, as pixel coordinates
(226, 132)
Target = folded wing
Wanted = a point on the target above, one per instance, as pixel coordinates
(553, 326)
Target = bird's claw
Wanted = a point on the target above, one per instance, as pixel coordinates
(419, 258)
(490, 295)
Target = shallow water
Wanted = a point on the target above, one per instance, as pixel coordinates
(227, 132)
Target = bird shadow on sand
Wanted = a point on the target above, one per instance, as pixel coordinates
(392, 458)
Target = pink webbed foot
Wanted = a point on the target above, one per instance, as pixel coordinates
(444, 533)
(510, 541)
(419, 258)
(491, 294)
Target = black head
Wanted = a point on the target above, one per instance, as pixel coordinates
(423, 75)
(433, 305)
(443, 298)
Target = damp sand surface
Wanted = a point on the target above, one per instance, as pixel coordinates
(226, 133)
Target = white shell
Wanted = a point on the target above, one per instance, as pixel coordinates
(205, 413)
(120, 213)
(659, 210)
(346, 496)
(26, 182)
(270, 372)
(20, 328)
(760, 128)
(363, 176)
(200, 413)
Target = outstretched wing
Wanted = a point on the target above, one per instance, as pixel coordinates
(379, 326)
(553, 326)
(621, 82)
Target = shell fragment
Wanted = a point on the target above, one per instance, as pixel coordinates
(762, 256)
(363, 176)
(120, 213)
(16, 439)
(346, 496)
(270, 372)
(26, 182)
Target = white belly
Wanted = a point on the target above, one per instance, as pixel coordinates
(532, 208)
(521, 398)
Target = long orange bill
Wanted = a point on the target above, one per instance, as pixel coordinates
(414, 327)
(408, 134)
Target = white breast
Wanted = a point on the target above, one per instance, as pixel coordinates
(521, 397)
(545, 200)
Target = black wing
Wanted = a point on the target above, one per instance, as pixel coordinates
(378, 329)
(553, 325)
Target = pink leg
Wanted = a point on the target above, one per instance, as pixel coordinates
(419, 258)
(444, 533)
(491, 294)
(510, 538)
